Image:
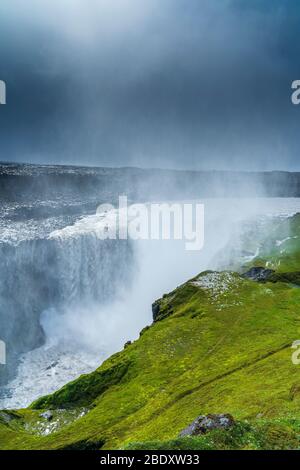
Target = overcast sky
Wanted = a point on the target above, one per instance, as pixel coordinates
(198, 84)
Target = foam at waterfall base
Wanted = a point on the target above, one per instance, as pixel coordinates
(44, 370)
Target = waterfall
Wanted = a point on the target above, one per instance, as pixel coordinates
(55, 273)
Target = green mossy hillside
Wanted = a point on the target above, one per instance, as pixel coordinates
(279, 247)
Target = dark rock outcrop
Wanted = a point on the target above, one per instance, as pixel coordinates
(161, 310)
(155, 310)
(204, 424)
(259, 274)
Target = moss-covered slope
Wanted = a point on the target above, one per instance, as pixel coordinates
(221, 343)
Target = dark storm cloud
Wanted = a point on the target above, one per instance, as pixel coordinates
(169, 83)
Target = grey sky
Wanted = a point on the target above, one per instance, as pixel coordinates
(168, 83)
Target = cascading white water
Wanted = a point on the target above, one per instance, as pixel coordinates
(57, 272)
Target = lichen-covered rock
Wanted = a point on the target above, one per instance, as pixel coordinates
(204, 424)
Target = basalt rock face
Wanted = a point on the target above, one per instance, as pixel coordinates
(204, 424)
(155, 310)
